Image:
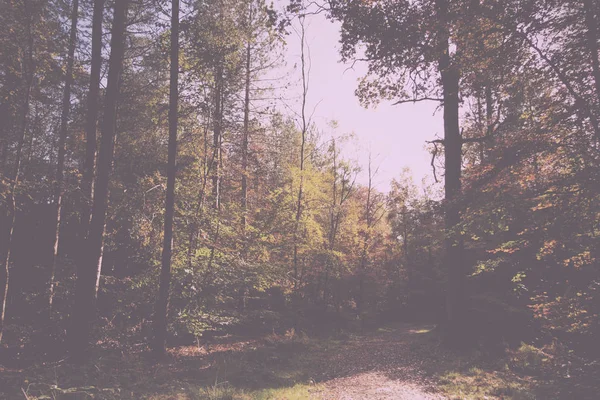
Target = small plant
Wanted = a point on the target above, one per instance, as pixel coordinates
(528, 359)
(218, 391)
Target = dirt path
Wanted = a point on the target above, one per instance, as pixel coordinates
(380, 366)
(400, 362)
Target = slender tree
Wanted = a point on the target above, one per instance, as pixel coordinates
(91, 119)
(303, 132)
(162, 303)
(62, 140)
(246, 129)
(89, 272)
(28, 71)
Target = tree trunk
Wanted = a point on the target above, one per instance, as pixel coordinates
(62, 139)
(245, 140)
(302, 149)
(88, 274)
(28, 72)
(195, 225)
(455, 304)
(360, 304)
(489, 116)
(216, 161)
(592, 42)
(91, 119)
(162, 305)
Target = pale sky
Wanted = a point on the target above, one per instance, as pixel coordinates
(396, 135)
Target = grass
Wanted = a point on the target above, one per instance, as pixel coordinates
(525, 373)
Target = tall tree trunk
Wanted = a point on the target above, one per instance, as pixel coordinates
(408, 266)
(162, 305)
(302, 149)
(62, 140)
(28, 69)
(245, 139)
(590, 7)
(91, 119)
(217, 133)
(194, 226)
(333, 216)
(455, 302)
(360, 304)
(88, 274)
(217, 162)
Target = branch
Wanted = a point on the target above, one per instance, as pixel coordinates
(417, 100)
(433, 156)
(579, 100)
(436, 141)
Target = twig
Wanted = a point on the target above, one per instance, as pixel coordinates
(433, 156)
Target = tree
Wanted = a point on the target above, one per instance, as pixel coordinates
(87, 179)
(162, 304)
(89, 272)
(28, 71)
(62, 139)
(304, 126)
(406, 57)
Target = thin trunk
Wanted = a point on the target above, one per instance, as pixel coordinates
(88, 274)
(62, 140)
(366, 239)
(216, 161)
(408, 266)
(162, 305)
(28, 72)
(334, 205)
(302, 149)
(194, 226)
(333, 216)
(592, 42)
(489, 117)
(455, 302)
(91, 120)
(36, 122)
(245, 140)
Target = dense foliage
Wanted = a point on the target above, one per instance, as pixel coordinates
(271, 227)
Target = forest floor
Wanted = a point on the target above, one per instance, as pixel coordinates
(402, 361)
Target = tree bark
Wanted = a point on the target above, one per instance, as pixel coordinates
(218, 120)
(28, 72)
(162, 305)
(91, 120)
(450, 76)
(592, 42)
(62, 140)
(88, 274)
(245, 138)
(302, 150)
(217, 161)
(364, 258)
(195, 225)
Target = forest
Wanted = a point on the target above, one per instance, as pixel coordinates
(175, 223)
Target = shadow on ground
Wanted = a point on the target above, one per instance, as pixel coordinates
(405, 361)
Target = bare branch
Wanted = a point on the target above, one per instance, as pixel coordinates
(433, 156)
(417, 100)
